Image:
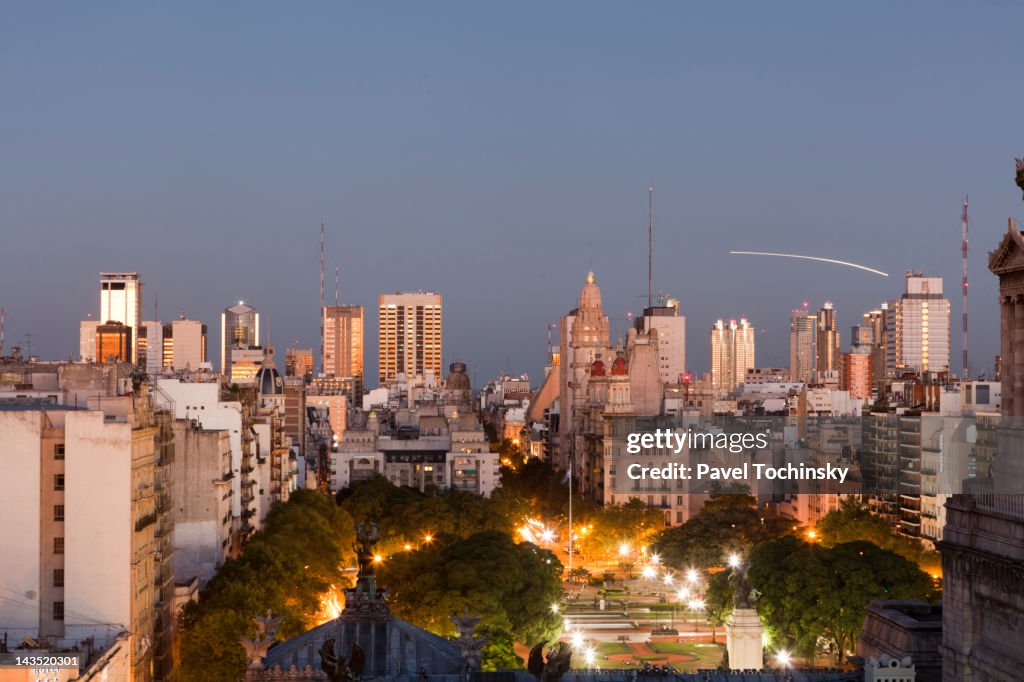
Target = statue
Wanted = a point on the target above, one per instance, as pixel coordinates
(743, 597)
(556, 665)
(266, 629)
(338, 668)
(1020, 174)
(367, 535)
(471, 647)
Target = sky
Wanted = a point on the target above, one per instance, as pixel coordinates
(494, 152)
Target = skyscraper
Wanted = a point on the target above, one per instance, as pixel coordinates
(87, 340)
(239, 329)
(121, 301)
(917, 328)
(343, 344)
(827, 341)
(409, 340)
(802, 334)
(114, 343)
(732, 353)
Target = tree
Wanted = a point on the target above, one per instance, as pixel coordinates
(500, 650)
(718, 601)
(728, 522)
(301, 551)
(853, 521)
(810, 591)
(510, 586)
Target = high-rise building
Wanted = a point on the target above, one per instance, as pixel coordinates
(239, 329)
(298, 362)
(671, 328)
(87, 340)
(343, 342)
(409, 339)
(827, 341)
(732, 353)
(114, 343)
(856, 375)
(187, 348)
(875, 320)
(917, 328)
(121, 301)
(149, 347)
(802, 334)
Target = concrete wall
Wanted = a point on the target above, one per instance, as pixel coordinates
(20, 433)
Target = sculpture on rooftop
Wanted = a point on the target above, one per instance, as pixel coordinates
(470, 647)
(1020, 174)
(367, 535)
(337, 667)
(266, 629)
(557, 663)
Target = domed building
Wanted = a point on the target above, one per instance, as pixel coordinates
(457, 388)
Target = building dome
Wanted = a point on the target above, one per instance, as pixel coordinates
(597, 369)
(619, 367)
(590, 294)
(268, 380)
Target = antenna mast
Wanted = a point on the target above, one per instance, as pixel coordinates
(650, 242)
(336, 290)
(963, 251)
(2, 332)
(322, 292)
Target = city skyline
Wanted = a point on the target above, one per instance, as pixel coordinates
(503, 190)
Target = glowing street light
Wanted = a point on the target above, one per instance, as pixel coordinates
(377, 558)
(624, 549)
(683, 594)
(547, 535)
(697, 605)
(649, 572)
(577, 639)
(734, 560)
(691, 575)
(669, 578)
(408, 547)
(590, 656)
(554, 608)
(783, 658)
(812, 535)
(655, 559)
(428, 538)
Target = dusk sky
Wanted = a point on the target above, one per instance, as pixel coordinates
(493, 152)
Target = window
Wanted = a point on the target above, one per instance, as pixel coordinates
(58, 512)
(58, 577)
(58, 545)
(58, 481)
(58, 451)
(58, 610)
(981, 394)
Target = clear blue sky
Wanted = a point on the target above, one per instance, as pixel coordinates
(492, 151)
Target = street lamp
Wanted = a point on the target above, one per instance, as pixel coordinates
(734, 560)
(691, 575)
(783, 658)
(554, 607)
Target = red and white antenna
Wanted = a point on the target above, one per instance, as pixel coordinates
(322, 292)
(963, 251)
(1, 332)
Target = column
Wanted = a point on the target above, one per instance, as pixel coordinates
(1018, 357)
(1006, 352)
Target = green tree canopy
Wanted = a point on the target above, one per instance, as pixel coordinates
(300, 553)
(728, 522)
(853, 521)
(510, 586)
(809, 591)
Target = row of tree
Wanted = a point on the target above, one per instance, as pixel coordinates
(300, 553)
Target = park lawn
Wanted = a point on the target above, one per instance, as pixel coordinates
(707, 655)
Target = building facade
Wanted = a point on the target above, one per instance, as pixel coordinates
(917, 328)
(343, 341)
(802, 336)
(409, 335)
(239, 329)
(732, 353)
(121, 301)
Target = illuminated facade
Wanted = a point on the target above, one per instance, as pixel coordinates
(856, 376)
(239, 328)
(917, 328)
(343, 342)
(113, 343)
(121, 301)
(409, 340)
(802, 327)
(827, 340)
(298, 362)
(732, 353)
(671, 328)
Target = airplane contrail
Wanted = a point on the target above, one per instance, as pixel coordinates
(823, 260)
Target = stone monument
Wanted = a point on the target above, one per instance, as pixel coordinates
(743, 630)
